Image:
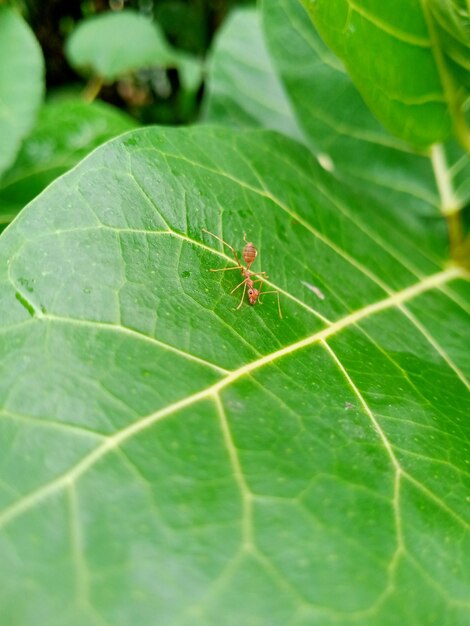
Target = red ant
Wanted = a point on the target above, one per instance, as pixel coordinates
(249, 255)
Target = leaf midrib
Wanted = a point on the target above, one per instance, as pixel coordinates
(113, 442)
(403, 36)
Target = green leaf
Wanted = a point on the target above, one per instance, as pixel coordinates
(317, 104)
(349, 142)
(111, 45)
(452, 24)
(21, 83)
(65, 132)
(330, 110)
(168, 459)
(242, 86)
(397, 59)
(327, 113)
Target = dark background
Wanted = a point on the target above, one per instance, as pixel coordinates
(189, 25)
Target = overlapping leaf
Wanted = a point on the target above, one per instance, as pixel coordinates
(397, 58)
(452, 26)
(348, 141)
(322, 100)
(170, 460)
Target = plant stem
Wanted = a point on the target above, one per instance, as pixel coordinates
(92, 88)
(450, 207)
(458, 245)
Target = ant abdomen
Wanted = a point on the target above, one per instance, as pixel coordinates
(249, 253)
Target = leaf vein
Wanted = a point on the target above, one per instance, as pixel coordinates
(115, 440)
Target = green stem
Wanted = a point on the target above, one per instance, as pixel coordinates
(458, 244)
(92, 88)
(450, 207)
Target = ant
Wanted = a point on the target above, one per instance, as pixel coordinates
(249, 255)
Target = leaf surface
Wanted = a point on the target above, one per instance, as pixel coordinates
(21, 83)
(170, 460)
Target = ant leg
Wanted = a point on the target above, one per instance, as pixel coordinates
(225, 244)
(238, 286)
(279, 305)
(278, 300)
(243, 297)
(226, 269)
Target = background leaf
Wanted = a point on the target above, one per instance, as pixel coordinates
(350, 142)
(335, 123)
(168, 459)
(300, 88)
(113, 44)
(452, 23)
(65, 132)
(21, 83)
(243, 88)
(394, 55)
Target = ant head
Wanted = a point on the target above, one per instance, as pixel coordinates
(253, 295)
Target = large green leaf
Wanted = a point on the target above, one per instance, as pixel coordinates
(21, 83)
(65, 132)
(327, 104)
(397, 58)
(169, 460)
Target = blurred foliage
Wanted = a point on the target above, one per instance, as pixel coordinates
(150, 96)
(65, 132)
